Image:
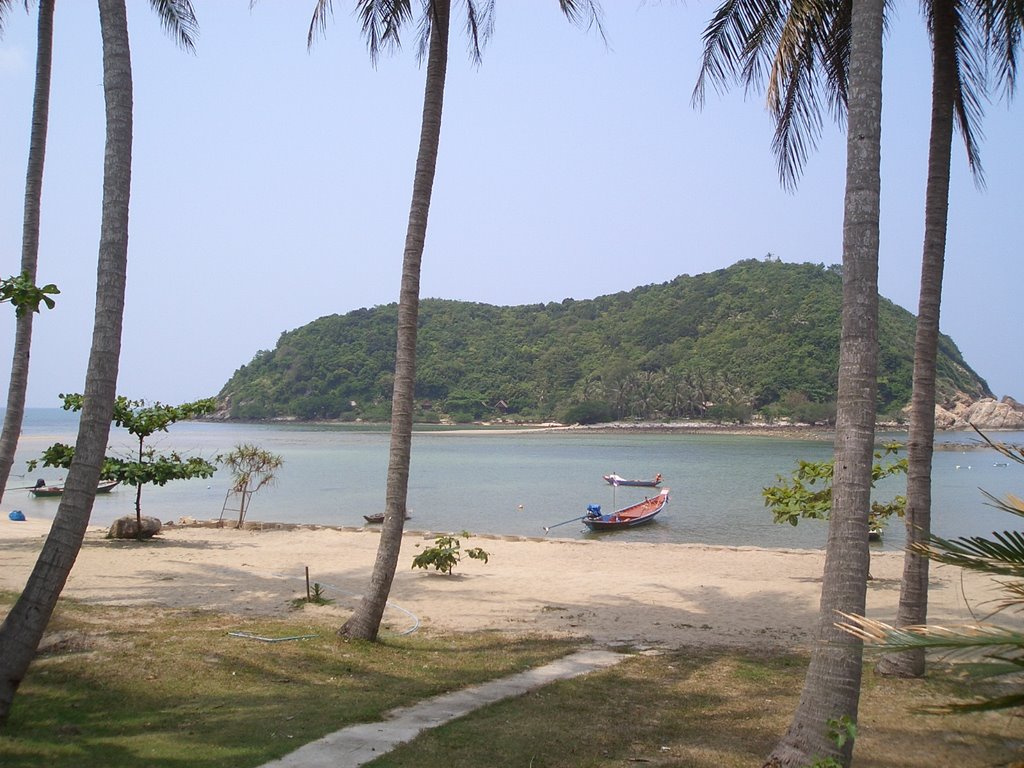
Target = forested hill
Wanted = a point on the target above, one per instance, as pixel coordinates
(758, 336)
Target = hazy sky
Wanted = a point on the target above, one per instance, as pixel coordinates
(271, 185)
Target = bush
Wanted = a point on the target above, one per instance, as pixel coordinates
(592, 412)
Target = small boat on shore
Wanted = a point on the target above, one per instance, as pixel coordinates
(627, 517)
(44, 491)
(379, 517)
(614, 479)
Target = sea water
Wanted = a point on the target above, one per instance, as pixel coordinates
(518, 483)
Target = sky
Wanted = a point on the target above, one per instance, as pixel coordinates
(271, 183)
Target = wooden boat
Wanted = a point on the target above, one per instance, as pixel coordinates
(379, 518)
(627, 517)
(48, 491)
(614, 479)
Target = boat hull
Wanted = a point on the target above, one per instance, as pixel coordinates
(629, 517)
(52, 491)
(378, 518)
(616, 480)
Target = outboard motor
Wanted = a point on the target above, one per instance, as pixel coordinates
(593, 510)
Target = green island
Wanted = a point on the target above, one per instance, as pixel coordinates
(760, 337)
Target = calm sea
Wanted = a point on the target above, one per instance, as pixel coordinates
(513, 483)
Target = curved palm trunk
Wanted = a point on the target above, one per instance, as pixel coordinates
(832, 687)
(913, 607)
(365, 621)
(30, 241)
(24, 625)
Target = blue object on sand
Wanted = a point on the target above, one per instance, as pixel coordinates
(17, 515)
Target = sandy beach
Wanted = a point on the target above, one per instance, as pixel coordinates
(657, 594)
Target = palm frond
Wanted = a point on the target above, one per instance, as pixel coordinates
(584, 13)
(1009, 503)
(423, 28)
(810, 69)
(998, 653)
(1010, 451)
(728, 39)
(982, 640)
(5, 6)
(836, 61)
(970, 85)
(381, 22)
(479, 27)
(318, 24)
(1015, 594)
(1003, 556)
(799, 51)
(1003, 26)
(179, 19)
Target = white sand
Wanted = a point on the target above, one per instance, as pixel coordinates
(660, 594)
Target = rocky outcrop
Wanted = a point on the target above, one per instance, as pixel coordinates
(985, 414)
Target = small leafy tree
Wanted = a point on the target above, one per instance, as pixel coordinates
(146, 466)
(25, 296)
(252, 468)
(996, 653)
(446, 554)
(808, 493)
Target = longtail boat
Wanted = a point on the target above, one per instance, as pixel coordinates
(627, 517)
(614, 479)
(48, 491)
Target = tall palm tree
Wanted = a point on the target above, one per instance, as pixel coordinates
(365, 621)
(24, 625)
(808, 48)
(382, 22)
(18, 385)
(965, 37)
(840, 43)
(831, 689)
(913, 605)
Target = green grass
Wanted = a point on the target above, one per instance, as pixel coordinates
(704, 709)
(140, 688)
(134, 688)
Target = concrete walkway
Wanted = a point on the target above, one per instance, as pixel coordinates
(359, 744)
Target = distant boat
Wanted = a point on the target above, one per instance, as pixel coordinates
(627, 517)
(41, 490)
(614, 479)
(379, 517)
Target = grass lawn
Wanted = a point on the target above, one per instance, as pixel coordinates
(137, 687)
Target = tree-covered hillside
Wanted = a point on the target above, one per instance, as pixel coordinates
(760, 336)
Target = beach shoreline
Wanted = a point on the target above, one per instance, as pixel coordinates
(670, 595)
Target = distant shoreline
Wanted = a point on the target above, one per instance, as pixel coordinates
(777, 431)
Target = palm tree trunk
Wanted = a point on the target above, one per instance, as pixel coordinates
(365, 621)
(18, 385)
(832, 686)
(913, 607)
(24, 625)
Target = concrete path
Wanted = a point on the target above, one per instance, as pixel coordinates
(359, 744)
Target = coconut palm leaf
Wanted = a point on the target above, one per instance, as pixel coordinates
(1001, 555)
(179, 20)
(1003, 24)
(971, 84)
(999, 653)
(5, 6)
